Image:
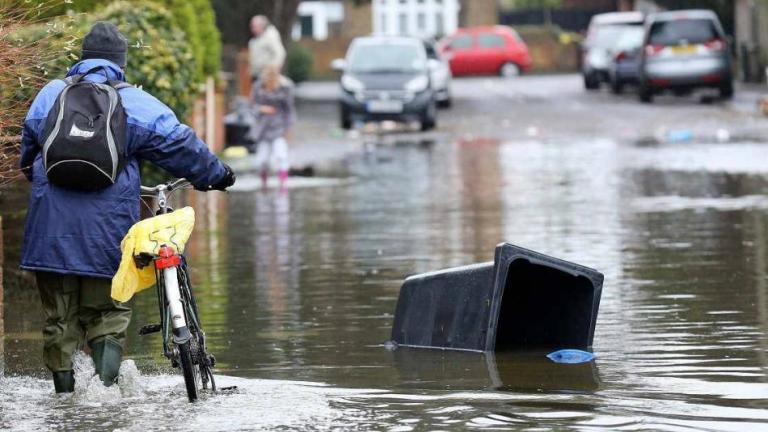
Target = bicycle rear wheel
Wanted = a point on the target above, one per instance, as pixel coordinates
(190, 370)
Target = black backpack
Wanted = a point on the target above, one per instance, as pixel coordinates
(84, 135)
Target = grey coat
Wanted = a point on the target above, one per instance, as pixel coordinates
(269, 127)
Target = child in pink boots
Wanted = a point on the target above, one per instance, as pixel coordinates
(274, 116)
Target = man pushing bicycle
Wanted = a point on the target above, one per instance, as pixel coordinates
(82, 142)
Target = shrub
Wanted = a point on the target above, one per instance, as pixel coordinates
(195, 18)
(198, 21)
(209, 36)
(185, 16)
(298, 63)
(159, 60)
(28, 48)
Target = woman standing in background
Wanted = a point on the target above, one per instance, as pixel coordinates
(274, 116)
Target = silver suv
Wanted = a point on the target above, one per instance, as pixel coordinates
(684, 50)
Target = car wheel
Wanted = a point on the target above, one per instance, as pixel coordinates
(617, 87)
(429, 117)
(645, 93)
(591, 82)
(445, 103)
(346, 121)
(726, 90)
(509, 70)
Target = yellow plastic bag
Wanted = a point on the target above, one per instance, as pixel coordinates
(172, 229)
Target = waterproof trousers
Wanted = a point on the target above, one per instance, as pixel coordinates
(78, 309)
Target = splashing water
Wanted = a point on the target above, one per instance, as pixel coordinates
(159, 402)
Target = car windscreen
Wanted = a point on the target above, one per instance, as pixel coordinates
(386, 57)
(630, 38)
(606, 35)
(461, 42)
(682, 31)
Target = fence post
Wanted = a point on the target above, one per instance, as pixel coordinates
(2, 310)
(210, 113)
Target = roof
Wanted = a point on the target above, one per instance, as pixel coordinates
(682, 14)
(482, 29)
(618, 18)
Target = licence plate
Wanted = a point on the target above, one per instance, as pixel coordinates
(385, 106)
(684, 49)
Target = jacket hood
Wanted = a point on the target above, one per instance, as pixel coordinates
(109, 69)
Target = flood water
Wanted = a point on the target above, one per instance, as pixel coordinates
(297, 293)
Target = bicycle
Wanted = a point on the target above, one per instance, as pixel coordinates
(183, 335)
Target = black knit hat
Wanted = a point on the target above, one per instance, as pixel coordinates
(104, 41)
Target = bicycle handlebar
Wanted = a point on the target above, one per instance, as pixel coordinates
(166, 187)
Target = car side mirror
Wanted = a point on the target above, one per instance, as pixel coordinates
(339, 65)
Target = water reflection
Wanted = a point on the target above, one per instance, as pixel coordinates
(519, 372)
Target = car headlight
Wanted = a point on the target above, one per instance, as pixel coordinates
(418, 84)
(351, 84)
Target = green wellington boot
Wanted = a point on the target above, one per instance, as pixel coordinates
(107, 355)
(64, 382)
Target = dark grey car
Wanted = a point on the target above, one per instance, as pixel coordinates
(684, 50)
(386, 78)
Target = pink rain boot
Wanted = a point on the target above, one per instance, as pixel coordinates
(283, 175)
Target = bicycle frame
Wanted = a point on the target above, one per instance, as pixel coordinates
(179, 320)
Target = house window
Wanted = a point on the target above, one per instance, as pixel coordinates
(383, 20)
(421, 21)
(439, 24)
(307, 26)
(403, 23)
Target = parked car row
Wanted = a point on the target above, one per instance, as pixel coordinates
(676, 51)
(405, 79)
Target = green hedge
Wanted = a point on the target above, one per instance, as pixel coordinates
(185, 16)
(159, 59)
(209, 36)
(298, 63)
(196, 18)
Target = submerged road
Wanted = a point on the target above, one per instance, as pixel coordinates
(558, 106)
(297, 289)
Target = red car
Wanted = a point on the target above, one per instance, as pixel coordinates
(486, 50)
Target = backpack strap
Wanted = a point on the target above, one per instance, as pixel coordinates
(118, 85)
(79, 77)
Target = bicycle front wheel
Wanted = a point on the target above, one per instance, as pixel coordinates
(190, 370)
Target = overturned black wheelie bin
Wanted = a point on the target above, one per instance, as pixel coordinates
(523, 300)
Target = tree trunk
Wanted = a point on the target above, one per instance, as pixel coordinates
(283, 16)
(548, 16)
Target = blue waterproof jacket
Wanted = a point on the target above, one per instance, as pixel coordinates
(72, 232)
